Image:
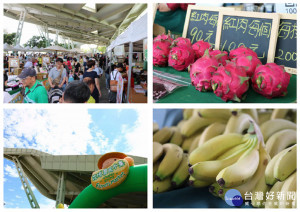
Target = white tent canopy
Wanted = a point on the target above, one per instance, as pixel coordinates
(7, 47)
(27, 48)
(17, 48)
(136, 31)
(56, 48)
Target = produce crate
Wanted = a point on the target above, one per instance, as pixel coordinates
(42, 76)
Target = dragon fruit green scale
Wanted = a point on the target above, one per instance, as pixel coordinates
(230, 82)
(270, 80)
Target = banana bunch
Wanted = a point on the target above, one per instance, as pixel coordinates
(222, 149)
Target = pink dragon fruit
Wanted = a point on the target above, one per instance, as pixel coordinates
(163, 37)
(230, 82)
(161, 51)
(270, 80)
(241, 50)
(221, 59)
(181, 57)
(202, 71)
(173, 6)
(200, 47)
(248, 61)
(181, 42)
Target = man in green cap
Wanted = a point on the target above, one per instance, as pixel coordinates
(35, 92)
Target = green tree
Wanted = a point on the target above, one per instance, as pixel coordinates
(101, 49)
(39, 41)
(9, 38)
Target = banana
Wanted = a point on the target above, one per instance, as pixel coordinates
(211, 131)
(198, 183)
(214, 188)
(241, 171)
(273, 202)
(187, 113)
(264, 116)
(260, 188)
(238, 124)
(155, 127)
(269, 173)
(286, 164)
(215, 147)
(280, 140)
(214, 113)
(194, 144)
(157, 151)
(176, 137)
(182, 172)
(155, 168)
(231, 151)
(253, 113)
(162, 186)
(186, 145)
(196, 123)
(208, 170)
(172, 159)
(163, 136)
(235, 112)
(180, 124)
(279, 113)
(289, 186)
(272, 126)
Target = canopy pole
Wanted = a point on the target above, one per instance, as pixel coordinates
(129, 70)
(20, 27)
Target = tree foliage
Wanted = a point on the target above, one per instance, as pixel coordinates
(9, 38)
(39, 41)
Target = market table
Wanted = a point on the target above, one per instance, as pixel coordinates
(135, 97)
(189, 197)
(189, 94)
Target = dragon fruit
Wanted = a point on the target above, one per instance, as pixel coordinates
(161, 51)
(230, 82)
(202, 71)
(163, 37)
(221, 59)
(181, 57)
(270, 80)
(181, 42)
(185, 6)
(200, 47)
(241, 50)
(248, 61)
(173, 6)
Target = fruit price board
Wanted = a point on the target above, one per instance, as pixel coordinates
(286, 48)
(257, 31)
(201, 23)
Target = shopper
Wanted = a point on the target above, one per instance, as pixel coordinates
(114, 76)
(76, 92)
(58, 74)
(93, 74)
(91, 83)
(35, 92)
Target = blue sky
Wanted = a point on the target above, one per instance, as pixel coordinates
(68, 132)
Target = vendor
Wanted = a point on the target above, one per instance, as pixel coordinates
(35, 92)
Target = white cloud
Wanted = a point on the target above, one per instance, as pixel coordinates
(4, 179)
(33, 188)
(11, 171)
(60, 131)
(10, 189)
(18, 197)
(47, 204)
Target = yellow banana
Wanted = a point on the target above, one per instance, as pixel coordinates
(264, 116)
(280, 140)
(260, 188)
(155, 168)
(188, 141)
(155, 127)
(211, 131)
(272, 126)
(286, 164)
(214, 113)
(182, 172)
(214, 189)
(157, 151)
(279, 113)
(196, 123)
(208, 170)
(163, 136)
(241, 171)
(198, 183)
(176, 137)
(172, 159)
(289, 186)
(162, 186)
(180, 124)
(269, 173)
(231, 151)
(238, 124)
(194, 144)
(273, 202)
(253, 113)
(216, 146)
(187, 113)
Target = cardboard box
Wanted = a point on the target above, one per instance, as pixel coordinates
(17, 71)
(41, 76)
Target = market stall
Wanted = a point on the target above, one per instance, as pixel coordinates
(180, 75)
(134, 34)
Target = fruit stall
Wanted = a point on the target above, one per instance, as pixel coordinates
(225, 55)
(224, 158)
